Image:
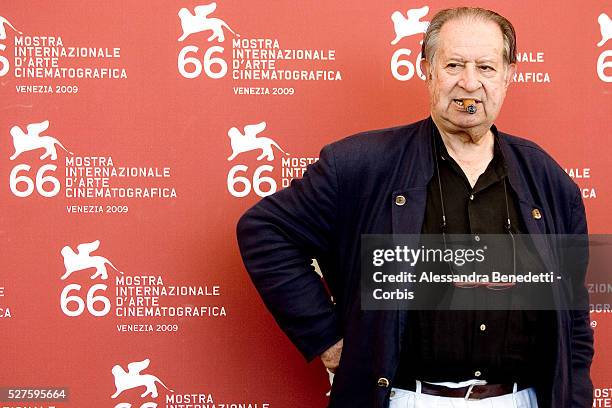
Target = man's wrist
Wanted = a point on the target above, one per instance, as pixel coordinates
(331, 356)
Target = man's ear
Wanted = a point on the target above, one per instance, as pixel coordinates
(510, 71)
(426, 69)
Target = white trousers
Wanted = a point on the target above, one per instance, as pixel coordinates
(401, 398)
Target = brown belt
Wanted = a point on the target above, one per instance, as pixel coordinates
(473, 392)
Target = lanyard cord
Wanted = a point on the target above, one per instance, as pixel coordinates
(507, 225)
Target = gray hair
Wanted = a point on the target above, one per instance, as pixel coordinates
(432, 35)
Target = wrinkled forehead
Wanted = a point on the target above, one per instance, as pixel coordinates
(471, 39)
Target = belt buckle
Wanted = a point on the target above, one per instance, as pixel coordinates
(471, 388)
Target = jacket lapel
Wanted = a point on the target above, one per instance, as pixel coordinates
(410, 197)
(408, 207)
(528, 208)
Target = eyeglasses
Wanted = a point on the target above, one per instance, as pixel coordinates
(507, 227)
(487, 285)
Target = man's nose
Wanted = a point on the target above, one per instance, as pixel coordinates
(470, 80)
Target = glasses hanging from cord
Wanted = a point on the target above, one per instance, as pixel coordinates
(507, 227)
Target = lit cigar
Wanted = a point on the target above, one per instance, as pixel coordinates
(470, 106)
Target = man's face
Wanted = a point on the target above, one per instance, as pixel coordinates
(468, 63)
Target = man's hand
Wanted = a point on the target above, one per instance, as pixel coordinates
(331, 356)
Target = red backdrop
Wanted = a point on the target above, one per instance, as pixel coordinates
(146, 180)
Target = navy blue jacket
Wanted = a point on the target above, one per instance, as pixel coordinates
(351, 191)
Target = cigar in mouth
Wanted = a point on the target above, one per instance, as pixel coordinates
(469, 105)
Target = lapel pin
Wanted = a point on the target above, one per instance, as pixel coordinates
(536, 213)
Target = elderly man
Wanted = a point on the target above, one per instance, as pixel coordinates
(454, 173)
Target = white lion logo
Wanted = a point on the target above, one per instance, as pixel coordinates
(249, 141)
(605, 26)
(128, 405)
(133, 379)
(82, 260)
(405, 27)
(32, 140)
(3, 22)
(199, 21)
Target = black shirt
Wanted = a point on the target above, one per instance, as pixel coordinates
(498, 346)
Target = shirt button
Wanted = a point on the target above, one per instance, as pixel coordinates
(483, 327)
(477, 373)
(400, 200)
(477, 238)
(383, 382)
(472, 197)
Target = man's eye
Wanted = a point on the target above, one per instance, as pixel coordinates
(486, 68)
(452, 65)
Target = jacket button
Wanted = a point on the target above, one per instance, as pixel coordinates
(536, 213)
(400, 200)
(383, 382)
